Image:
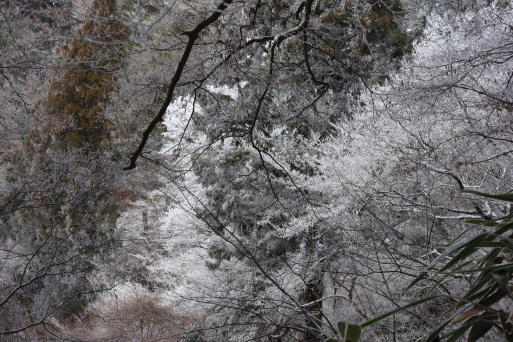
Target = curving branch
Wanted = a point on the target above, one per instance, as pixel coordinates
(192, 37)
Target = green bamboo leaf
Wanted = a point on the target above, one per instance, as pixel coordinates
(491, 257)
(475, 293)
(460, 236)
(402, 308)
(484, 278)
(353, 334)
(468, 249)
(458, 245)
(504, 228)
(502, 277)
(447, 275)
(449, 250)
(507, 328)
(492, 244)
(454, 335)
(438, 283)
(483, 324)
(333, 340)
(434, 334)
(481, 269)
(486, 223)
(460, 269)
(490, 223)
(417, 279)
(501, 197)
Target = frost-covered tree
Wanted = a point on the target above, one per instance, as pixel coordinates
(437, 127)
(266, 83)
(313, 160)
(321, 204)
(57, 215)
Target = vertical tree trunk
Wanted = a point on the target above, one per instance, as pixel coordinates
(146, 226)
(311, 295)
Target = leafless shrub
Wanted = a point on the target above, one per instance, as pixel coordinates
(134, 319)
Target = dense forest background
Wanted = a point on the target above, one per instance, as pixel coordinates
(256, 170)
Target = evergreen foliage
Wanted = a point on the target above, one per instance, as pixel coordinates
(58, 212)
(485, 261)
(78, 98)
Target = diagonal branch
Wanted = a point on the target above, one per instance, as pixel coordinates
(193, 36)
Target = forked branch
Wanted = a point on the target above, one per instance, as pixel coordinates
(192, 37)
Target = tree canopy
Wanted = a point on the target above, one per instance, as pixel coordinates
(256, 170)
